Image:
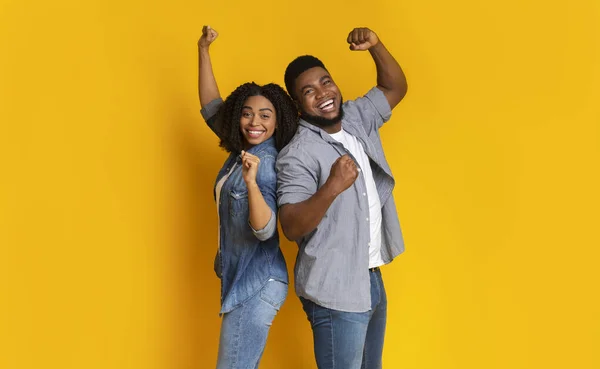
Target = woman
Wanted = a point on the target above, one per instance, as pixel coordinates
(253, 123)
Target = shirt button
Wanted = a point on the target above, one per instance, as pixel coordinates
(359, 169)
(364, 194)
(367, 219)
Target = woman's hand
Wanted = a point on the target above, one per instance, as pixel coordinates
(249, 167)
(209, 35)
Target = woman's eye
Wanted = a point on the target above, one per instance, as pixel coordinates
(265, 117)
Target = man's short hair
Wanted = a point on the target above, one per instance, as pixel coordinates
(296, 68)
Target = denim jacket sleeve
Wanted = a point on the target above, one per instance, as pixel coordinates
(266, 179)
(268, 231)
(209, 113)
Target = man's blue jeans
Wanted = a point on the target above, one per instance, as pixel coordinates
(344, 340)
(244, 330)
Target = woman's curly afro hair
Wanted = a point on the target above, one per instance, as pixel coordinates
(230, 113)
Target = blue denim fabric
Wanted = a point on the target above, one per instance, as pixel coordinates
(245, 262)
(244, 330)
(345, 340)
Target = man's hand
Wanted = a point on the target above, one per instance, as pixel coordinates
(209, 35)
(343, 174)
(301, 218)
(361, 39)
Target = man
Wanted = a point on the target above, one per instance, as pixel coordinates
(335, 197)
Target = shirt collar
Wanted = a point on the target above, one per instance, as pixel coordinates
(269, 142)
(324, 135)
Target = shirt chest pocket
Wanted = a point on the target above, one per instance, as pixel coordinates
(238, 203)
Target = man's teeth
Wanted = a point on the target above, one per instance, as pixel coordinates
(326, 104)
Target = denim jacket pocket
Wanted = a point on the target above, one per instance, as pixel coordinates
(274, 293)
(238, 203)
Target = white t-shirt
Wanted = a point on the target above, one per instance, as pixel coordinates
(356, 149)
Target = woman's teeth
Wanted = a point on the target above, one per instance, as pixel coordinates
(254, 133)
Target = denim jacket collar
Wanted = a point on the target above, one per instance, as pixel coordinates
(266, 143)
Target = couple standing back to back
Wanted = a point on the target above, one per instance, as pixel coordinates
(325, 175)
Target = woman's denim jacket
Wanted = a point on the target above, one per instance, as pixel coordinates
(247, 258)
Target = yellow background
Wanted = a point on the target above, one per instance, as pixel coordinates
(108, 227)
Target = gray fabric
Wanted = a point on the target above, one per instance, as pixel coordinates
(209, 113)
(333, 260)
(268, 230)
(209, 110)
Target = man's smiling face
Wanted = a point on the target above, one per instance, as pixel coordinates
(318, 96)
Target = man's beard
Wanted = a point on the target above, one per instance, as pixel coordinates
(321, 121)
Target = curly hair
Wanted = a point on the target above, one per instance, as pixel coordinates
(230, 113)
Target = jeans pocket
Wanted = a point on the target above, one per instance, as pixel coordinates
(309, 308)
(274, 293)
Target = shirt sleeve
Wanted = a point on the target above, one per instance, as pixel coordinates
(268, 231)
(296, 180)
(373, 109)
(209, 113)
